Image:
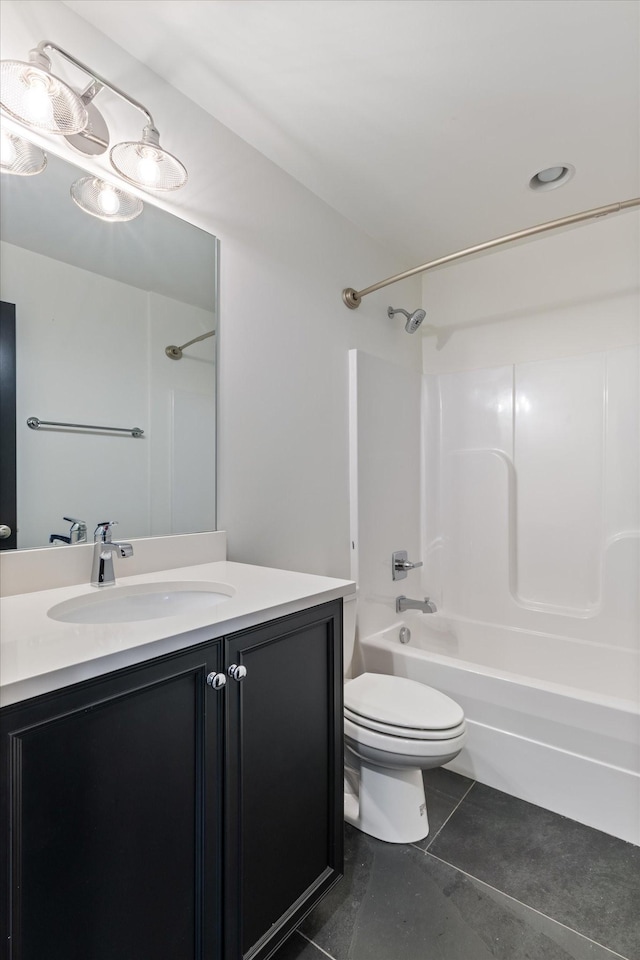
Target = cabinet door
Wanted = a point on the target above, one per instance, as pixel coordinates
(284, 828)
(106, 786)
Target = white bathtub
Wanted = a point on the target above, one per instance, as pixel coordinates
(571, 745)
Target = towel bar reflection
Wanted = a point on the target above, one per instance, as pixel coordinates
(35, 424)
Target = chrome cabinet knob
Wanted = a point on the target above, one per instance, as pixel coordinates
(216, 680)
(237, 671)
(5, 531)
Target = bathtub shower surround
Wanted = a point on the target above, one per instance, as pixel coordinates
(530, 542)
(531, 532)
(532, 518)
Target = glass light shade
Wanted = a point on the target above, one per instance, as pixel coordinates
(30, 94)
(105, 201)
(19, 157)
(145, 164)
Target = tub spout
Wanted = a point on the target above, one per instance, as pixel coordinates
(404, 603)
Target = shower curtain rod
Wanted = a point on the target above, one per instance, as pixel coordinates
(353, 298)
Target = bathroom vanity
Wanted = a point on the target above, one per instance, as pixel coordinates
(186, 799)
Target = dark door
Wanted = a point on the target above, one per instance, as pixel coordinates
(111, 783)
(284, 830)
(8, 512)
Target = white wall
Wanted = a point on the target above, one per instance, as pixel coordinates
(385, 441)
(285, 333)
(91, 350)
(565, 293)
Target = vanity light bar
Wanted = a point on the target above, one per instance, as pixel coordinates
(39, 100)
(35, 424)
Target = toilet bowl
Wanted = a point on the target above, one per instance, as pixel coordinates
(394, 728)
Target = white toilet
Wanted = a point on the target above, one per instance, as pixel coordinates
(394, 728)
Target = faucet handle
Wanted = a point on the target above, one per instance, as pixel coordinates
(400, 564)
(78, 531)
(102, 533)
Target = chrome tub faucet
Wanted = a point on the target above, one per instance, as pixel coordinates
(102, 574)
(404, 603)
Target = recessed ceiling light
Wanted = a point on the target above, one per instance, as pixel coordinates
(552, 177)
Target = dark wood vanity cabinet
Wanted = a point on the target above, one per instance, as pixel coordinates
(148, 815)
(106, 842)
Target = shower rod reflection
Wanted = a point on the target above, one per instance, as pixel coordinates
(353, 298)
(175, 353)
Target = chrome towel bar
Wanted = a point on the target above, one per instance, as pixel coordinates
(35, 424)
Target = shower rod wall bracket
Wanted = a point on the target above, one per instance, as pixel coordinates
(175, 353)
(353, 298)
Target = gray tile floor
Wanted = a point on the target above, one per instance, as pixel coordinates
(496, 878)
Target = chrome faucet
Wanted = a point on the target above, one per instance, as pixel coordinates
(77, 532)
(404, 603)
(102, 574)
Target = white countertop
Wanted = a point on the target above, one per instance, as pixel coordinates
(38, 654)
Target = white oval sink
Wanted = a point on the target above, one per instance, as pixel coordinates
(144, 601)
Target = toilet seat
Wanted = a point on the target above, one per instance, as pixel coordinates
(398, 707)
(411, 733)
(416, 747)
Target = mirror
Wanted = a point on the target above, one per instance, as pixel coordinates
(96, 304)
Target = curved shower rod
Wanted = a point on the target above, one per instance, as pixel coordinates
(353, 298)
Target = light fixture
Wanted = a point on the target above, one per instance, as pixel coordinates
(33, 96)
(104, 200)
(145, 164)
(19, 157)
(552, 177)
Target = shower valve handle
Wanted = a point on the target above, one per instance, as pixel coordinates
(400, 564)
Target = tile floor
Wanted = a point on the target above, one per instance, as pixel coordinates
(495, 878)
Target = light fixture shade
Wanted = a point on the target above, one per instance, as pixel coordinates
(145, 164)
(103, 200)
(19, 157)
(30, 94)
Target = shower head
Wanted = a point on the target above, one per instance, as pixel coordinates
(413, 319)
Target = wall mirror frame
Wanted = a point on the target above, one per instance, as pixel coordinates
(96, 305)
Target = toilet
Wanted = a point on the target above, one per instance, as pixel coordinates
(395, 728)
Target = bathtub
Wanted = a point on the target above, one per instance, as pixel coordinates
(571, 745)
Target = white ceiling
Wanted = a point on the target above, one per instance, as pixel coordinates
(420, 120)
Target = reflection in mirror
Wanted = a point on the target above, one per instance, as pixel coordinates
(96, 305)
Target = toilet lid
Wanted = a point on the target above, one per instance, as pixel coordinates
(399, 702)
